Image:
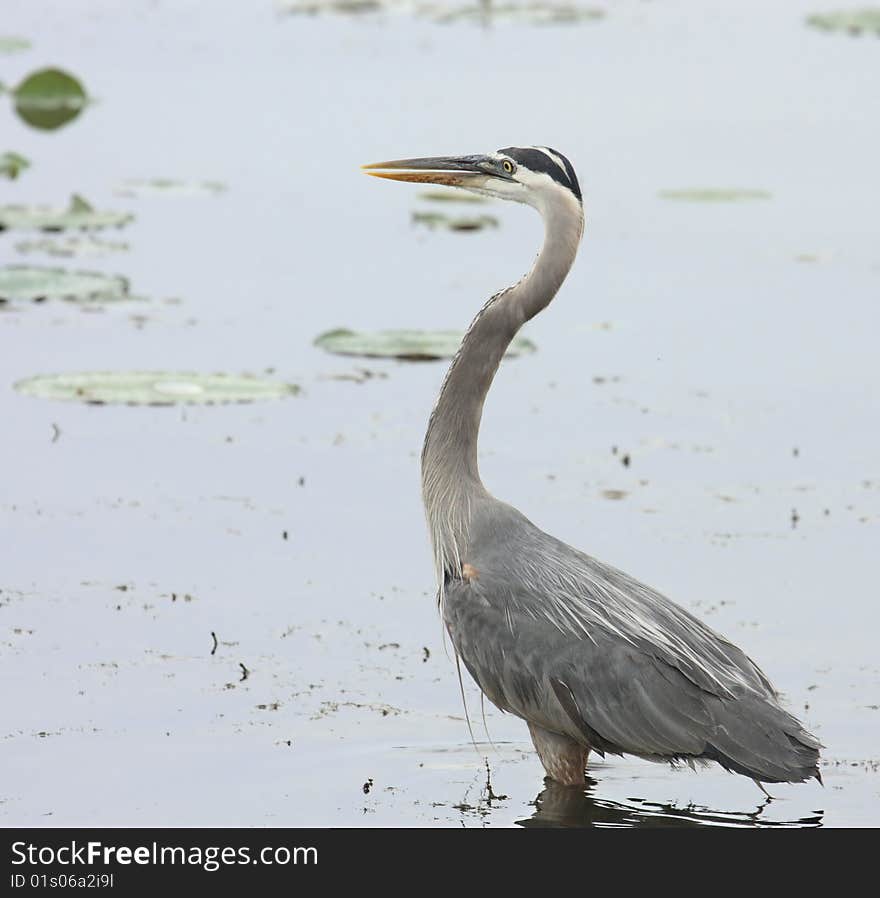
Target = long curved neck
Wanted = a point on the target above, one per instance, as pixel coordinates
(450, 473)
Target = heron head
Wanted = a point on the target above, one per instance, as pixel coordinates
(538, 176)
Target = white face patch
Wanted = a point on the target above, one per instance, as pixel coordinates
(534, 188)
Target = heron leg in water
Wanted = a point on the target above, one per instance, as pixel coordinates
(564, 759)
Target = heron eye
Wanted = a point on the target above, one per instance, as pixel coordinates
(507, 165)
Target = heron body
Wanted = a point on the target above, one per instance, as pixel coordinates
(589, 657)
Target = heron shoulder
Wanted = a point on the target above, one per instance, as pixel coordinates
(528, 574)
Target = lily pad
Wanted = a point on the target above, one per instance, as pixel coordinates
(714, 195)
(166, 186)
(451, 196)
(12, 165)
(345, 7)
(408, 345)
(453, 222)
(533, 12)
(68, 247)
(49, 98)
(852, 21)
(78, 216)
(10, 44)
(23, 283)
(153, 388)
(537, 12)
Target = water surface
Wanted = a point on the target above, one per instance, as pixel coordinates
(729, 349)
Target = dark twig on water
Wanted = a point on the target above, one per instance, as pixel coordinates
(490, 795)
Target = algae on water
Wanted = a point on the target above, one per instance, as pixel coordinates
(713, 195)
(852, 21)
(136, 187)
(11, 44)
(12, 165)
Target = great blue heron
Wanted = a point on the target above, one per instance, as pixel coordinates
(589, 657)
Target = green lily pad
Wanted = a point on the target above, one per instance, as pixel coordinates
(12, 165)
(78, 216)
(453, 222)
(10, 44)
(408, 345)
(852, 21)
(537, 12)
(23, 283)
(69, 247)
(713, 195)
(452, 196)
(49, 98)
(153, 388)
(168, 187)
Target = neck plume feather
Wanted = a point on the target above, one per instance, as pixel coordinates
(450, 473)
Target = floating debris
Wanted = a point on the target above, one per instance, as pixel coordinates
(80, 215)
(852, 21)
(156, 388)
(359, 375)
(714, 195)
(12, 165)
(614, 495)
(69, 247)
(49, 98)
(455, 223)
(407, 345)
(24, 283)
(136, 187)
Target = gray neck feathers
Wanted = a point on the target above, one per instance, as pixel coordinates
(450, 473)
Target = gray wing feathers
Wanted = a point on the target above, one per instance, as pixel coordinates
(622, 696)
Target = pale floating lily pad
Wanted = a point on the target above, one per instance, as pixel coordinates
(852, 21)
(10, 44)
(451, 196)
(168, 187)
(343, 7)
(12, 165)
(714, 195)
(154, 388)
(533, 12)
(455, 222)
(23, 283)
(78, 216)
(537, 12)
(408, 345)
(69, 247)
(49, 98)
